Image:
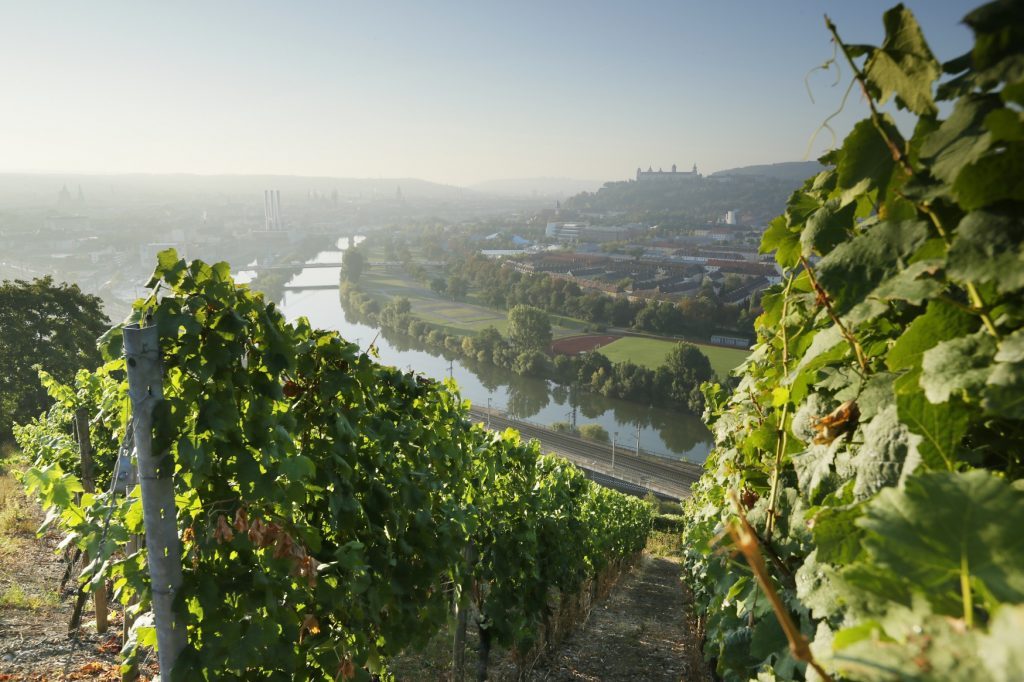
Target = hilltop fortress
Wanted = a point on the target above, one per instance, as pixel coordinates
(666, 176)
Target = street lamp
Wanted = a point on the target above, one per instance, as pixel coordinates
(488, 412)
(615, 436)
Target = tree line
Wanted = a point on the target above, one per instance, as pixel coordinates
(675, 383)
(503, 287)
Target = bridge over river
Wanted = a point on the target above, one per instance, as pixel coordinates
(615, 467)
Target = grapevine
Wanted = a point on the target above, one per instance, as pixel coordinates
(860, 515)
(324, 501)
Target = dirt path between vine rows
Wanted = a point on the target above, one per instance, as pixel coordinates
(35, 611)
(643, 630)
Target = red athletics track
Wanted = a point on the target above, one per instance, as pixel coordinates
(574, 345)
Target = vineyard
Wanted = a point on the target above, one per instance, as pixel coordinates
(861, 514)
(860, 517)
(330, 511)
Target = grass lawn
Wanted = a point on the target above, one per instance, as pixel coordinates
(455, 317)
(652, 353)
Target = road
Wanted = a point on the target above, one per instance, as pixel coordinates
(666, 477)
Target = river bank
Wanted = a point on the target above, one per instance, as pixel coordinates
(667, 433)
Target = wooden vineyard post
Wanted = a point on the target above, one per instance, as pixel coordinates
(89, 483)
(130, 673)
(156, 477)
(461, 610)
(459, 643)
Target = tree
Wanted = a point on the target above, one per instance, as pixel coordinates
(686, 368)
(353, 262)
(457, 287)
(594, 432)
(53, 326)
(529, 328)
(530, 363)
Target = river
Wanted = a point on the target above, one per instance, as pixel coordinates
(666, 432)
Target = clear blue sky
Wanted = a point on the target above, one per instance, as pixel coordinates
(451, 92)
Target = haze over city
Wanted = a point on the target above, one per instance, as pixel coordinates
(456, 93)
(547, 341)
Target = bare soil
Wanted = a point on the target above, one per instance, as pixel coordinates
(34, 615)
(644, 630)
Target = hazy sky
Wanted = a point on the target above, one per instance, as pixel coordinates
(451, 92)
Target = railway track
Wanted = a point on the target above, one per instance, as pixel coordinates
(668, 478)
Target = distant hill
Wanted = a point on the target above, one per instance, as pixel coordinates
(788, 170)
(757, 193)
(534, 187)
(144, 187)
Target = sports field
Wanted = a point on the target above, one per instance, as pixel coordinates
(652, 353)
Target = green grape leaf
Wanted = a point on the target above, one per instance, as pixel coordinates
(993, 178)
(942, 527)
(915, 284)
(882, 459)
(836, 534)
(854, 268)
(989, 247)
(169, 268)
(297, 468)
(957, 367)
(997, 54)
(1011, 347)
(767, 638)
(816, 587)
(942, 426)
(784, 241)
(824, 341)
(133, 520)
(875, 396)
(801, 205)
(814, 472)
(932, 649)
(1013, 92)
(960, 139)
(904, 66)
(826, 228)
(941, 321)
(1000, 648)
(864, 155)
(875, 588)
(1006, 125)
(1004, 390)
(870, 630)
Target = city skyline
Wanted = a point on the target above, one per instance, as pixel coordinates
(447, 93)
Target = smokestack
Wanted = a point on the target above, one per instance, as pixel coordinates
(266, 210)
(277, 209)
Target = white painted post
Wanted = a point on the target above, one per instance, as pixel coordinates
(156, 476)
